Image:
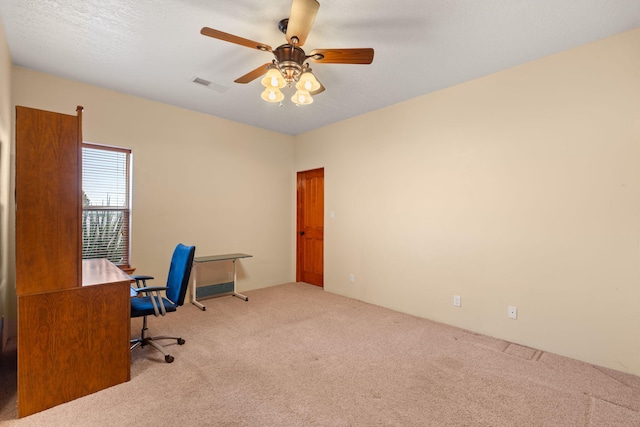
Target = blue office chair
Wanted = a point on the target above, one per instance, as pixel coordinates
(148, 300)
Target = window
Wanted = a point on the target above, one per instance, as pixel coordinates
(106, 203)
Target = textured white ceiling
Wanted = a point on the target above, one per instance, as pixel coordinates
(154, 49)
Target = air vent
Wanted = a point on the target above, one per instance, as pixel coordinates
(209, 85)
(202, 82)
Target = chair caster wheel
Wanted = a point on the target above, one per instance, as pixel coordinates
(168, 358)
(180, 341)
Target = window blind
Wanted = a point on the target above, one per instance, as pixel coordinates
(106, 203)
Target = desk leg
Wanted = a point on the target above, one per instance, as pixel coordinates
(193, 289)
(235, 294)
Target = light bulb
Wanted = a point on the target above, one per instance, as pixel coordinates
(272, 95)
(308, 82)
(302, 97)
(273, 79)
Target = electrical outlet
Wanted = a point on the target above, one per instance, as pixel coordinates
(352, 278)
(456, 300)
(513, 312)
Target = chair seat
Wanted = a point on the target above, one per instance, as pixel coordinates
(144, 307)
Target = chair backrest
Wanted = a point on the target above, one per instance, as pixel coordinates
(179, 272)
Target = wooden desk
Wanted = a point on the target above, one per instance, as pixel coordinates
(74, 342)
(100, 271)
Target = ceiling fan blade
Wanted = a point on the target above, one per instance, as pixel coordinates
(303, 13)
(206, 31)
(252, 75)
(343, 56)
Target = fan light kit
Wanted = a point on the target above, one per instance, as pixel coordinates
(276, 79)
(289, 68)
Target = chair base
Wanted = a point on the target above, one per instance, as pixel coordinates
(144, 340)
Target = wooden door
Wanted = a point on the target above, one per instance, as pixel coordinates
(310, 227)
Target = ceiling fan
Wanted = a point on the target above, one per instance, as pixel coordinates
(290, 66)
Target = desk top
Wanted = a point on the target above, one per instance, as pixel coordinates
(99, 271)
(220, 257)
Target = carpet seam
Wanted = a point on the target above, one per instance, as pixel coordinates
(597, 368)
(612, 403)
(590, 406)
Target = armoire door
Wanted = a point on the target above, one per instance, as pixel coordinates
(48, 202)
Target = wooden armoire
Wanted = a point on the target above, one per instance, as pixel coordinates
(73, 327)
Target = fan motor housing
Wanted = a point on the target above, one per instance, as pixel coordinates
(290, 60)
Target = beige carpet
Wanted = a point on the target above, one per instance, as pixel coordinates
(294, 355)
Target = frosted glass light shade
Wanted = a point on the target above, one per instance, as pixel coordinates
(308, 82)
(272, 95)
(273, 79)
(302, 97)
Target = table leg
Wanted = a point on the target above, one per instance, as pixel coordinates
(193, 290)
(235, 294)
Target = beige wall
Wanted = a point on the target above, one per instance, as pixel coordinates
(7, 274)
(521, 188)
(222, 186)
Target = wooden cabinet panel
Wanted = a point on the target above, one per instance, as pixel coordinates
(48, 201)
(71, 343)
